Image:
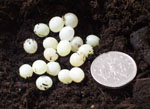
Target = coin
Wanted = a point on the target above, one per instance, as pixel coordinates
(113, 69)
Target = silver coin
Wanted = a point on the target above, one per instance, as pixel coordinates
(113, 69)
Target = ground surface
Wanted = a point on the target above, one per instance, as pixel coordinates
(122, 25)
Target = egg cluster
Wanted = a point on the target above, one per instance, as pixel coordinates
(54, 49)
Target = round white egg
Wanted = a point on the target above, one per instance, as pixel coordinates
(50, 54)
(93, 40)
(71, 20)
(76, 43)
(53, 68)
(64, 48)
(50, 42)
(30, 46)
(86, 49)
(25, 71)
(77, 59)
(39, 67)
(56, 24)
(66, 33)
(64, 76)
(41, 29)
(77, 74)
(44, 82)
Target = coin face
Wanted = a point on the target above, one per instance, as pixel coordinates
(113, 69)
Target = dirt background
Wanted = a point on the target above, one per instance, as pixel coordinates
(122, 25)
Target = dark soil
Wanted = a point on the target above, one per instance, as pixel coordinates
(141, 88)
(117, 22)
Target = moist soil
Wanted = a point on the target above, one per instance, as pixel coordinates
(122, 25)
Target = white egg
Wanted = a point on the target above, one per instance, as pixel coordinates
(64, 48)
(86, 49)
(77, 74)
(39, 67)
(77, 59)
(41, 30)
(71, 20)
(64, 76)
(93, 40)
(44, 82)
(66, 33)
(53, 68)
(25, 71)
(50, 54)
(50, 42)
(56, 24)
(76, 43)
(30, 46)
